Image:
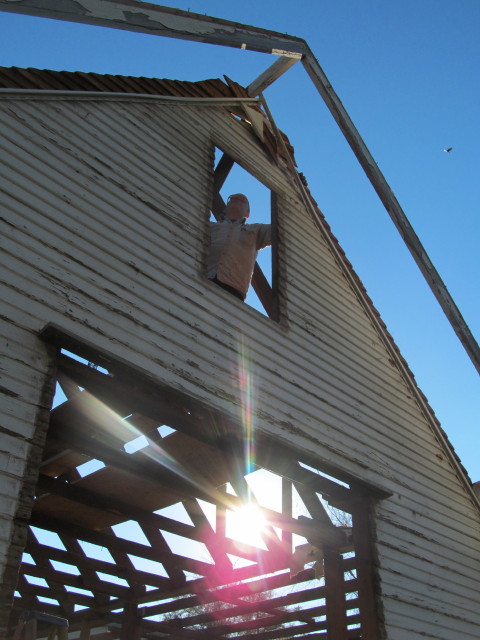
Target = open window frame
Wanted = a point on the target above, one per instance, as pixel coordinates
(267, 293)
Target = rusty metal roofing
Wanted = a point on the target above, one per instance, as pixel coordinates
(17, 78)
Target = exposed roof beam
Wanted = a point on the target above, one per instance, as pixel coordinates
(392, 206)
(148, 18)
(271, 74)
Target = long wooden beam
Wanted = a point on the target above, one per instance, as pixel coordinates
(392, 206)
(268, 77)
(144, 17)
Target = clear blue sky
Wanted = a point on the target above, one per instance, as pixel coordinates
(407, 73)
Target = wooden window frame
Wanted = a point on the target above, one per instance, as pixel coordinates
(266, 293)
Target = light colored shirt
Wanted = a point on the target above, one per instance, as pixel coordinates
(233, 250)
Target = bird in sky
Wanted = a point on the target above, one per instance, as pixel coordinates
(448, 150)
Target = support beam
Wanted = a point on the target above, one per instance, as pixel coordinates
(221, 172)
(130, 629)
(370, 603)
(268, 77)
(335, 595)
(393, 207)
(144, 17)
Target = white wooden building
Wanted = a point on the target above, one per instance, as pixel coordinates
(106, 198)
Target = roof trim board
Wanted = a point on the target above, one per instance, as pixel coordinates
(52, 94)
(144, 17)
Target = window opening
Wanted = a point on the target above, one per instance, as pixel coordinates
(230, 178)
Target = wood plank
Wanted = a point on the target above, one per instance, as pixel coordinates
(67, 598)
(335, 595)
(79, 495)
(157, 540)
(268, 77)
(312, 502)
(89, 574)
(138, 465)
(221, 172)
(279, 276)
(371, 607)
(56, 588)
(269, 535)
(393, 208)
(281, 582)
(214, 539)
(201, 532)
(287, 505)
(172, 23)
(106, 387)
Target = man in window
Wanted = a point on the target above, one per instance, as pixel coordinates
(234, 246)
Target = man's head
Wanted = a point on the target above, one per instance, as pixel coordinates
(238, 207)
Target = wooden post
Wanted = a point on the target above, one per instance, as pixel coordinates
(275, 310)
(130, 627)
(18, 631)
(31, 630)
(335, 595)
(287, 536)
(362, 536)
(85, 631)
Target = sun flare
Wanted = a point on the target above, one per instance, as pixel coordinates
(246, 525)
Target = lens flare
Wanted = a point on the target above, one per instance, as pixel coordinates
(246, 525)
(245, 379)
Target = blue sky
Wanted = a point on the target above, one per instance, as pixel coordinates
(407, 73)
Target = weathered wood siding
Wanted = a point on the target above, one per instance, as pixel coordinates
(106, 220)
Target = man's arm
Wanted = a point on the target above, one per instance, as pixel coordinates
(264, 235)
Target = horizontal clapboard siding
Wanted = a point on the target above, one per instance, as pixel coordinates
(26, 391)
(107, 208)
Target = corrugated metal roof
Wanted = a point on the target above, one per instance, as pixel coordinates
(17, 78)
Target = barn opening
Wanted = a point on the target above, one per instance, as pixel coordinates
(135, 523)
